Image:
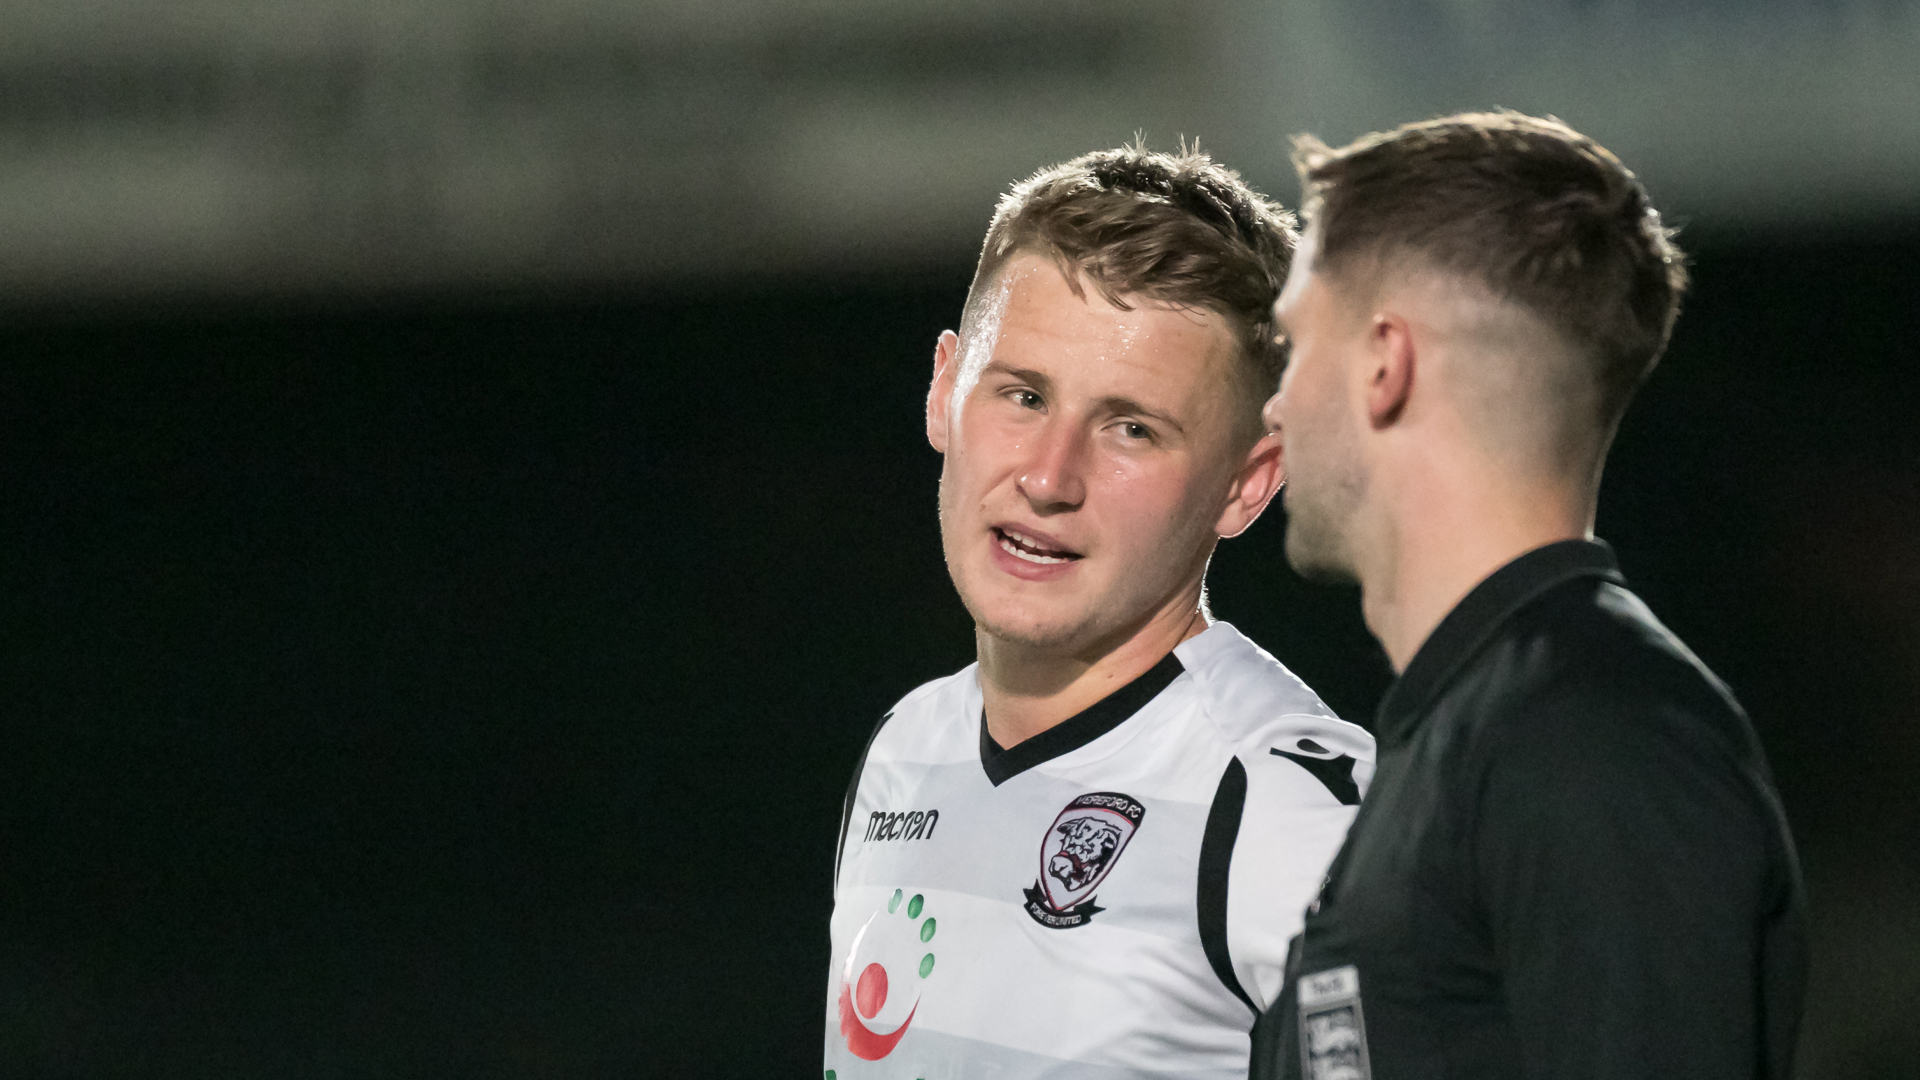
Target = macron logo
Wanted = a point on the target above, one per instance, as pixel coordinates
(1335, 771)
(905, 825)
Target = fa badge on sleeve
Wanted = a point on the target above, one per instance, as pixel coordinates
(1333, 1034)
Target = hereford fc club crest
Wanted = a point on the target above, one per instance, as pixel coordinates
(1080, 848)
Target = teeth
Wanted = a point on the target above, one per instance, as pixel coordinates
(1007, 544)
(1023, 538)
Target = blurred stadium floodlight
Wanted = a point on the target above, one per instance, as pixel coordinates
(208, 147)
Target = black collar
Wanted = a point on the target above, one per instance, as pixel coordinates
(1473, 621)
(1078, 730)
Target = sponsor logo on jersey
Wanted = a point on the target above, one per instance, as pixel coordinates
(905, 825)
(1079, 850)
(886, 968)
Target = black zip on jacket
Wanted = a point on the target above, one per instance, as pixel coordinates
(1571, 863)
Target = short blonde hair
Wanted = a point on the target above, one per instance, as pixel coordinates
(1178, 228)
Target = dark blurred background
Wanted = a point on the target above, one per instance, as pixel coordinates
(463, 498)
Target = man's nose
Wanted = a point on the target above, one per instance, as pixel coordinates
(1054, 479)
(1270, 413)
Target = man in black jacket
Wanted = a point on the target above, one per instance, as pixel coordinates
(1572, 861)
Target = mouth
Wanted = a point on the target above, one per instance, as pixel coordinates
(1029, 548)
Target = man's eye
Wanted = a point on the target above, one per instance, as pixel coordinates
(1136, 431)
(1026, 399)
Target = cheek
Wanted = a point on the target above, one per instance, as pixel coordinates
(1149, 509)
(1303, 393)
(1281, 407)
(979, 454)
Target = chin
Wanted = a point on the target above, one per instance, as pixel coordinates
(1323, 573)
(1044, 639)
(1320, 563)
(1033, 630)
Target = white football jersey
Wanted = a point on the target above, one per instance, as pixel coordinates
(1111, 898)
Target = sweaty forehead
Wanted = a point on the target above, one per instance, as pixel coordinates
(1040, 312)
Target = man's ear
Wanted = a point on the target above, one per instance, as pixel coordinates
(946, 355)
(1390, 383)
(1260, 477)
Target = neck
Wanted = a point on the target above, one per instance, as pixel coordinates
(1028, 689)
(1448, 538)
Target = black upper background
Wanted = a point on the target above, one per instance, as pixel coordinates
(467, 686)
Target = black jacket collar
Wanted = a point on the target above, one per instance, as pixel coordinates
(1473, 621)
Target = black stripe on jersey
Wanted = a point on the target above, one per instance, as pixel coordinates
(1078, 730)
(853, 788)
(1216, 858)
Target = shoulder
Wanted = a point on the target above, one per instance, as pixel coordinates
(1284, 736)
(935, 713)
(1602, 635)
(930, 696)
(1613, 716)
(1251, 697)
(1590, 665)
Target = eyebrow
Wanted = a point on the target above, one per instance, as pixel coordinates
(1038, 380)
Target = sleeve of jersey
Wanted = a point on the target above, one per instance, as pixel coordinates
(1624, 882)
(904, 705)
(853, 792)
(1305, 776)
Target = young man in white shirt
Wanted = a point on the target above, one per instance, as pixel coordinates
(1084, 855)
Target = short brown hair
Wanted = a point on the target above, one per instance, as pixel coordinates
(1533, 210)
(1178, 228)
